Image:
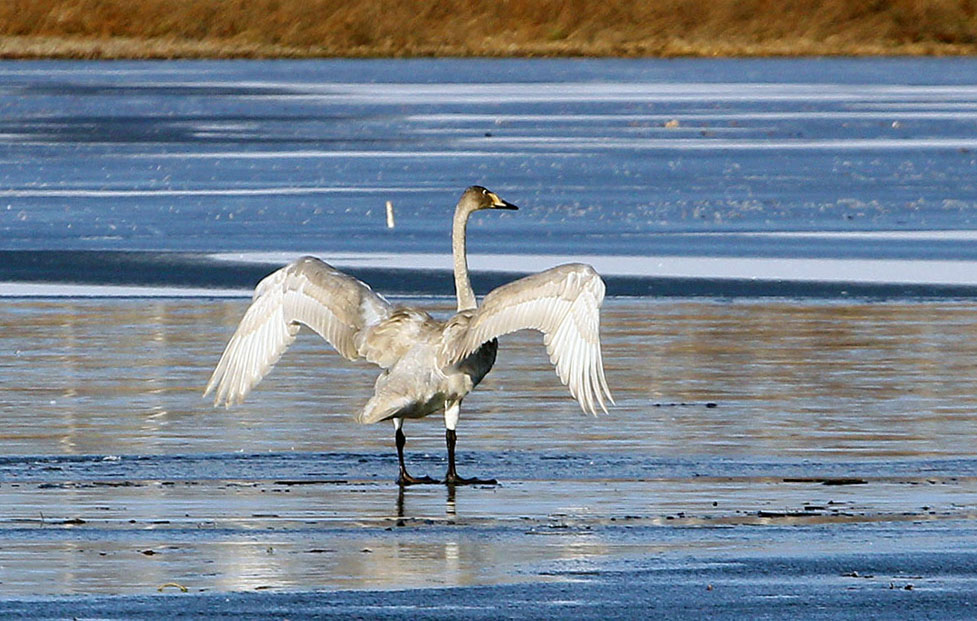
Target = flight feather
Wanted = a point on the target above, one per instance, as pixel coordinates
(306, 292)
(564, 304)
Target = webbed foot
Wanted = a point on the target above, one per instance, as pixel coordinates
(453, 479)
(406, 479)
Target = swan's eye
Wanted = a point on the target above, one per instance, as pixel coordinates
(484, 192)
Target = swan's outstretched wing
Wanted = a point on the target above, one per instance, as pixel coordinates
(564, 304)
(307, 292)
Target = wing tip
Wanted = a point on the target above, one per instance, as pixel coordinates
(209, 389)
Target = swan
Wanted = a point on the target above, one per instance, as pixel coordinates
(428, 366)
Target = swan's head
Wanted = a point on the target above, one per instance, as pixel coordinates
(477, 197)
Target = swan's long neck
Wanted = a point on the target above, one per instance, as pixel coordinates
(463, 286)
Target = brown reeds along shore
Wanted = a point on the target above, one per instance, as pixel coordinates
(499, 28)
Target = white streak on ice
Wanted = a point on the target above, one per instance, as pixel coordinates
(524, 92)
(900, 114)
(866, 271)
(340, 154)
(62, 290)
(956, 235)
(284, 191)
(723, 144)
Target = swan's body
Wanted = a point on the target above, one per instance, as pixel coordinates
(428, 366)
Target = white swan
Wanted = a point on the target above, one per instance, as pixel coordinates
(428, 366)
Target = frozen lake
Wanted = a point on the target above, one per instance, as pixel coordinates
(689, 167)
(790, 247)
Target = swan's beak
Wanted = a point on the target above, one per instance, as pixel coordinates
(498, 203)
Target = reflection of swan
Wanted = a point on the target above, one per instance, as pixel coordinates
(450, 507)
(429, 366)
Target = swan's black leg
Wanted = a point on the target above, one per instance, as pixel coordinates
(452, 477)
(405, 478)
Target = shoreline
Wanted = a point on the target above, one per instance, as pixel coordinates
(126, 48)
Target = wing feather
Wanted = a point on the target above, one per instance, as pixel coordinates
(564, 304)
(306, 292)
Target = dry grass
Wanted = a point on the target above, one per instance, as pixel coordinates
(311, 28)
